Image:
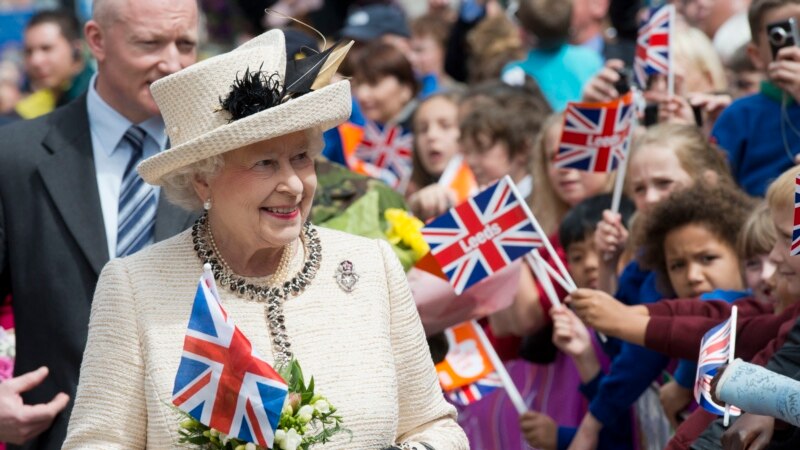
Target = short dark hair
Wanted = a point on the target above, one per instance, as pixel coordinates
(581, 221)
(548, 20)
(757, 10)
(67, 22)
(378, 60)
(722, 210)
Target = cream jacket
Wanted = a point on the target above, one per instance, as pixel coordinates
(366, 349)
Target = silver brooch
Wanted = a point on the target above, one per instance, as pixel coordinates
(345, 276)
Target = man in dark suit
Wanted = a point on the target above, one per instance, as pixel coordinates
(70, 199)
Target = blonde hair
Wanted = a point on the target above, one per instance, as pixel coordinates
(780, 194)
(695, 154)
(544, 202)
(695, 48)
(757, 236)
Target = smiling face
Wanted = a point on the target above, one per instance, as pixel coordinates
(142, 42)
(653, 174)
(698, 261)
(382, 99)
(759, 274)
(436, 134)
(787, 267)
(264, 192)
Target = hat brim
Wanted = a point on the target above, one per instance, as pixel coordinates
(321, 109)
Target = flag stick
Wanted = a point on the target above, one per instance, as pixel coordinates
(670, 57)
(553, 255)
(536, 257)
(734, 315)
(450, 171)
(543, 279)
(619, 183)
(508, 385)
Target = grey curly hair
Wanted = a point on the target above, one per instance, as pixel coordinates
(178, 185)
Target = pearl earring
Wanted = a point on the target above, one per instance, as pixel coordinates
(207, 204)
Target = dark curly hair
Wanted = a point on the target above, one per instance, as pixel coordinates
(721, 210)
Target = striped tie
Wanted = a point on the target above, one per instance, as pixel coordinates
(137, 199)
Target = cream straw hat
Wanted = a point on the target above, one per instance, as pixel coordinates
(189, 101)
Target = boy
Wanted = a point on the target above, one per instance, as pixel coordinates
(759, 136)
(576, 234)
(560, 69)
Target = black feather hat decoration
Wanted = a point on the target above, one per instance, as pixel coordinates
(254, 92)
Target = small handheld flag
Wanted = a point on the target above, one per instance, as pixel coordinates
(467, 361)
(221, 381)
(653, 54)
(795, 249)
(385, 154)
(595, 135)
(471, 370)
(716, 348)
(482, 235)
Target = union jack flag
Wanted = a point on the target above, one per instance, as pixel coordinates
(471, 393)
(653, 44)
(386, 154)
(796, 229)
(595, 135)
(715, 349)
(221, 381)
(482, 235)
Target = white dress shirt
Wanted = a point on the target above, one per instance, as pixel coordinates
(108, 127)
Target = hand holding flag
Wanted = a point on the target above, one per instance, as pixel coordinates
(716, 348)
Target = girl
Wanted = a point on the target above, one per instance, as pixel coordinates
(436, 134)
(755, 242)
(665, 159)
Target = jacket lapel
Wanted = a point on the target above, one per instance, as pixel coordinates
(69, 176)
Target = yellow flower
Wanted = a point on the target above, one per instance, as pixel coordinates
(405, 228)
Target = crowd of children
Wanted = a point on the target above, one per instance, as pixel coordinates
(716, 134)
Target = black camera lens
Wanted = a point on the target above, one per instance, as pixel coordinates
(777, 35)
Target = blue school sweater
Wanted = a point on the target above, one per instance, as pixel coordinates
(618, 436)
(633, 367)
(749, 131)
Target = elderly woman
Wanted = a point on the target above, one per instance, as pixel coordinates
(338, 303)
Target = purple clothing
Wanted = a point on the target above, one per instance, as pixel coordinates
(492, 423)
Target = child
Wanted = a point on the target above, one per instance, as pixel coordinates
(570, 336)
(675, 328)
(753, 246)
(690, 242)
(561, 69)
(555, 189)
(436, 133)
(742, 127)
(667, 158)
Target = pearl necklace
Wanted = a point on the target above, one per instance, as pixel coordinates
(273, 296)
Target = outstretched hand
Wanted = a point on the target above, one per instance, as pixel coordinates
(20, 422)
(749, 432)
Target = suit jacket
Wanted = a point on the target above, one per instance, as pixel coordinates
(53, 247)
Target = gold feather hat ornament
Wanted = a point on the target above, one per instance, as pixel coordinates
(247, 95)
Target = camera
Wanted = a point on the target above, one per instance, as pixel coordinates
(623, 85)
(651, 115)
(782, 34)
